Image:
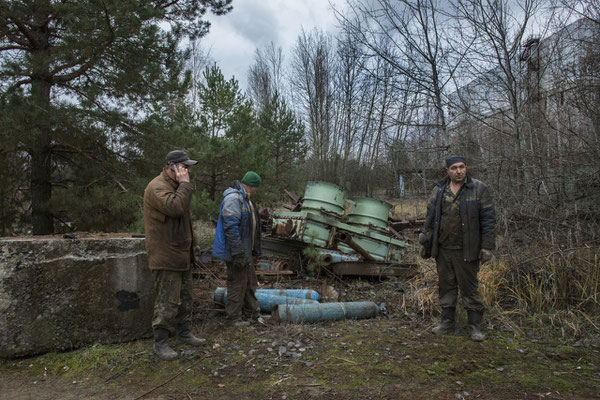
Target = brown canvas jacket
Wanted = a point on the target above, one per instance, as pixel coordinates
(167, 224)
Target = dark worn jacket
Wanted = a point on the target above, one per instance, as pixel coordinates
(233, 235)
(167, 224)
(477, 214)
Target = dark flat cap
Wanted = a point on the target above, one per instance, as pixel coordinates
(179, 157)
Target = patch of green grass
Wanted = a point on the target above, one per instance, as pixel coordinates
(350, 358)
(86, 360)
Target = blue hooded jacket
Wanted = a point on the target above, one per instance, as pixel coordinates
(234, 226)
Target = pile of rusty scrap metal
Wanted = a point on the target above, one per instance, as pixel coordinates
(347, 236)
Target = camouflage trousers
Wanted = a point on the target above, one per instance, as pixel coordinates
(241, 288)
(173, 304)
(454, 274)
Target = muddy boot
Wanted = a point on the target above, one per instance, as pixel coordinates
(185, 336)
(447, 325)
(475, 325)
(161, 345)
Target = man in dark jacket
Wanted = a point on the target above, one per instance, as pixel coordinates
(169, 247)
(459, 232)
(237, 242)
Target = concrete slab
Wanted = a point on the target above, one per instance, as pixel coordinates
(59, 294)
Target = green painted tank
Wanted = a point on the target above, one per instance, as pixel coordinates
(370, 212)
(324, 197)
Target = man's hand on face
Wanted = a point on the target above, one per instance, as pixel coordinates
(182, 174)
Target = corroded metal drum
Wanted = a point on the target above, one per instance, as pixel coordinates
(370, 212)
(324, 197)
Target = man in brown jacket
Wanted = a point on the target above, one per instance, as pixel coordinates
(169, 246)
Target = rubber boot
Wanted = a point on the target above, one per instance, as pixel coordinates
(447, 325)
(185, 336)
(161, 345)
(475, 325)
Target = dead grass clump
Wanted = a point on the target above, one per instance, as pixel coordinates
(204, 233)
(422, 296)
(409, 209)
(493, 283)
(558, 281)
(559, 290)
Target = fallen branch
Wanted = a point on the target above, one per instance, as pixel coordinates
(346, 360)
(281, 380)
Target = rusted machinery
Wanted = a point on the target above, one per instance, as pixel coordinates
(349, 236)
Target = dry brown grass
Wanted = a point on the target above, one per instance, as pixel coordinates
(409, 209)
(523, 287)
(492, 282)
(204, 233)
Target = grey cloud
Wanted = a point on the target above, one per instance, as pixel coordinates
(255, 22)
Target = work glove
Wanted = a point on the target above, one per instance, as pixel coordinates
(238, 261)
(485, 255)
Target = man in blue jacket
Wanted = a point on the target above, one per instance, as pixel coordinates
(459, 232)
(237, 242)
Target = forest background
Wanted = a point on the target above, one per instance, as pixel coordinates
(93, 94)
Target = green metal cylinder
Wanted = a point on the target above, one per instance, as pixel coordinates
(370, 212)
(324, 197)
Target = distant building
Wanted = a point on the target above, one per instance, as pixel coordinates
(491, 114)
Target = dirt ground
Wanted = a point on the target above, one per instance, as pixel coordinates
(393, 356)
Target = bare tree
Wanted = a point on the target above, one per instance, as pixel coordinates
(494, 33)
(409, 35)
(265, 76)
(312, 80)
(348, 95)
(198, 61)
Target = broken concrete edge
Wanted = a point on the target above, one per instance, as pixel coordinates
(63, 294)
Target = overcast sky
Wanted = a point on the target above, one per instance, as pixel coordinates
(252, 24)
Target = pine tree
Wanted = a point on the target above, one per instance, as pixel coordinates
(229, 143)
(77, 78)
(285, 136)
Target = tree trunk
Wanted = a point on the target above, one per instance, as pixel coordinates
(41, 160)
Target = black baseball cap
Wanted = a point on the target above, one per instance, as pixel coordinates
(179, 157)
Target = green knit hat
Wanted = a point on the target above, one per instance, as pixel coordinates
(251, 179)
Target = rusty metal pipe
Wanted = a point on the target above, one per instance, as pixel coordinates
(299, 293)
(346, 238)
(331, 256)
(325, 311)
(266, 300)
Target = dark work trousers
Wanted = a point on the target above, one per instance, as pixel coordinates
(455, 273)
(241, 288)
(173, 304)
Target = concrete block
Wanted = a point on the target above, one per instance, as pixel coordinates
(62, 294)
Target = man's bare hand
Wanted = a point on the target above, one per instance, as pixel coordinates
(485, 255)
(182, 174)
